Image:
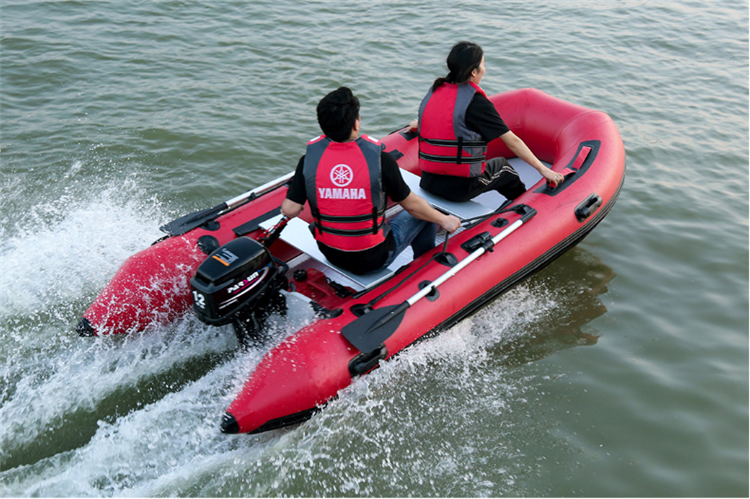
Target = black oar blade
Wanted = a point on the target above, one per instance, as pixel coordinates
(189, 222)
(372, 329)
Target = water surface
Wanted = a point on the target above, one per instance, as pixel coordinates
(620, 370)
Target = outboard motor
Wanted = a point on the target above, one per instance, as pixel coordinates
(239, 283)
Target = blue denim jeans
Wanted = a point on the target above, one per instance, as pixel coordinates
(410, 231)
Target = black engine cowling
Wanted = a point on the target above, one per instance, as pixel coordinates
(238, 283)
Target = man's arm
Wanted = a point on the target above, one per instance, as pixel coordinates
(290, 209)
(419, 208)
(521, 150)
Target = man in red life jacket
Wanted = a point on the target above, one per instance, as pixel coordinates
(346, 178)
(456, 122)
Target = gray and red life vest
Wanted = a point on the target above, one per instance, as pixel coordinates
(344, 189)
(446, 145)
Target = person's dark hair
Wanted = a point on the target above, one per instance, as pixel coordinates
(337, 113)
(464, 58)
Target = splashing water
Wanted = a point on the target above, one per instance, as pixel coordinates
(68, 247)
(138, 415)
(162, 434)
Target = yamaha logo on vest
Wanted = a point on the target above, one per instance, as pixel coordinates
(341, 176)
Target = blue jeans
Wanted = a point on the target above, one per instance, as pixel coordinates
(410, 231)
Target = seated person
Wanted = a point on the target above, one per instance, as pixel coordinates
(346, 179)
(456, 122)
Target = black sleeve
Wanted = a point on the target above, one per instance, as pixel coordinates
(393, 183)
(483, 118)
(297, 191)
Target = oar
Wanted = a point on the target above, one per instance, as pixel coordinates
(189, 222)
(368, 332)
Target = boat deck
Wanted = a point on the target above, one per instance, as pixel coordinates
(299, 236)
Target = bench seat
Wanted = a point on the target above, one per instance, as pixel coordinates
(298, 235)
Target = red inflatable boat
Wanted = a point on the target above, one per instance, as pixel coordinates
(213, 261)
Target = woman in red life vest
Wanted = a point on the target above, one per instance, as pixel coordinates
(346, 177)
(456, 122)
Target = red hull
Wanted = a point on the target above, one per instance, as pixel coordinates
(312, 365)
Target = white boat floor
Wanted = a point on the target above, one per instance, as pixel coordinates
(298, 235)
(480, 205)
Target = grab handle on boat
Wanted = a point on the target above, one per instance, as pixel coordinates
(588, 207)
(367, 361)
(526, 211)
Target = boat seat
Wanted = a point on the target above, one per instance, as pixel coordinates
(481, 205)
(298, 235)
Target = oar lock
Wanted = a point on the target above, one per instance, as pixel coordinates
(360, 309)
(367, 361)
(212, 225)
(433, 295)
(483, 240)
(208, 244)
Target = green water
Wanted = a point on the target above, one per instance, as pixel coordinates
(620, 370)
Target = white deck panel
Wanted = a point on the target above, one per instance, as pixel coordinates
(298, 235)
(481, 205)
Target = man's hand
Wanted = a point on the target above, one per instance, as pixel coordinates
(554, 178)
(450, 223)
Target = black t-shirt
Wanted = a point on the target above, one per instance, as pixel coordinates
(358, 262)
(481, 117)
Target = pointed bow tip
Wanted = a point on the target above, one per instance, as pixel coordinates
(84, 328)
(229, 424)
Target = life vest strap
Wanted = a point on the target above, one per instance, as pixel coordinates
(377, 217)
(453, 143)
(349, 232)
(350, 219)
(451, 159)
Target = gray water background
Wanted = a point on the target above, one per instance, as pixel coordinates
(620, 370)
